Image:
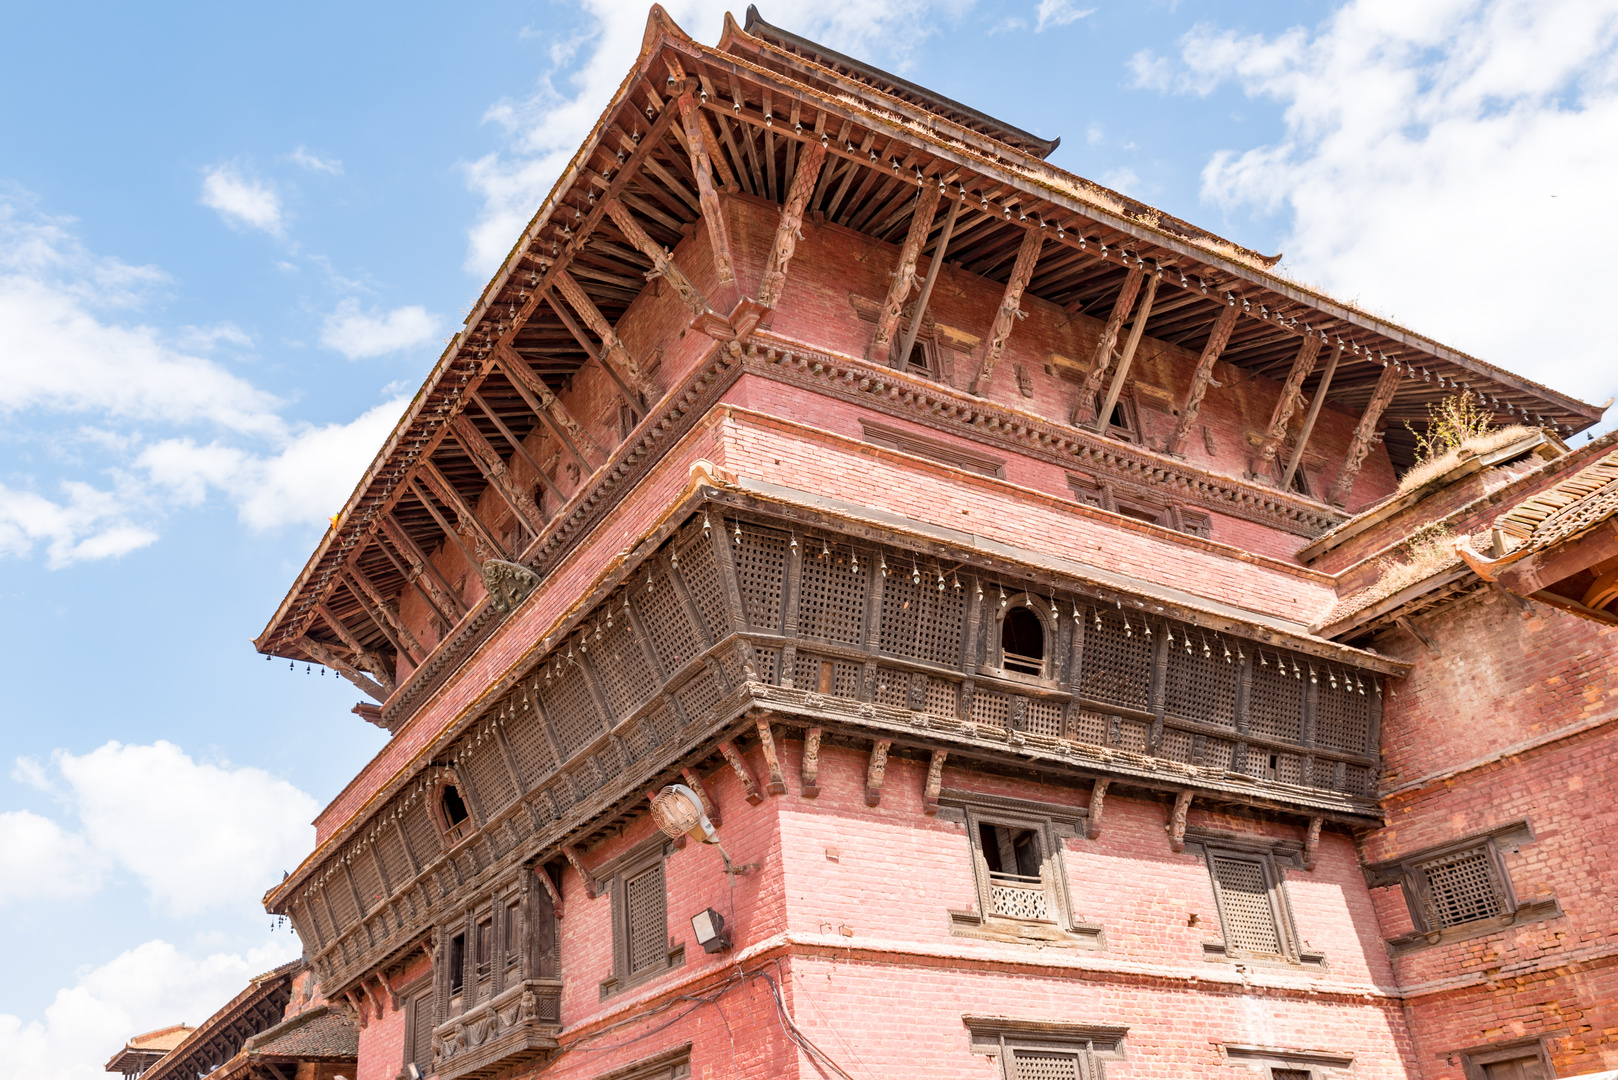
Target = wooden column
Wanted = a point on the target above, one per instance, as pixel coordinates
(713, 213)
(1276, 433)
(1098, 804)
(1310, 417)
(663, 264)
(1010, 307)
(772, 759)
(1176, 823)
(1365, 434)
(791, 223)
(614, 356)
(1127, 359)
(933, 268)
(1084, 411)
(904, 277)
(1217, 340)
(935, 782)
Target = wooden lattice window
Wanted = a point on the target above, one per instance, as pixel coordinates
(1460, 887)
(640, 924)
(1251, 900)
(419, 1033)
(1035, 1050)
(1025, 639)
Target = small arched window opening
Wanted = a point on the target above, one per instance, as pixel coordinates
(453, 818)
(454, 806)
(1022, 642)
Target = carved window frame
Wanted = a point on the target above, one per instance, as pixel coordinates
(450, 836)
(1474, 1059)
(1272, 858)
(616, 876)
(1089, 1046)
(1040, 608)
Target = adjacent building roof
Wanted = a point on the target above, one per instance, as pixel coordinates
(1566, 511)
(139, 1053)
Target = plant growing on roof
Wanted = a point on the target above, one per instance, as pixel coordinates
(1451, 423)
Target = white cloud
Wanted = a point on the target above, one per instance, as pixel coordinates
(225, 834)
(545, 129)
(304, 483)
(1450, 163)
(147, 987)
(1059, 13)
(357, 334)
(87, 524)
(309, 161)
(41, 861)
(241, 201)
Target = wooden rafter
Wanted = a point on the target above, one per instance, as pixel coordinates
(494, 470)
(1101, 360)
(788, 230)
(549, 408)
(904, 277)
(1127, 358)
(1309, 419)
(663, 264)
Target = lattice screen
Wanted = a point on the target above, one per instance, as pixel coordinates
(572, 711)
(893, 688)
(528, 743)
(391, 848)
(1201, 687)
(341, 899)
(1116, 668)
(990, 708)
(1342, 719)
(586, 777)
(1047, 1065)
(760, 565)
(767, 662)
(1275, 702)
(1177, 746)
(668, 622)
(660, 725)
(421, 1032)
(609, 762)
(490, 778)
(701, 572)
(626, 677)
(831, 598)
(1245, 907)
(646, 918)
(920, 622)
(1462, 887)
(418, 825)
(1090, 727)
(697, 696)
(943, 698)
(367, 880)
(1131, 735)
(1044, 718)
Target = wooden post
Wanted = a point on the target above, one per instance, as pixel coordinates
(591, 889)
(370, 687)
(787, 231)
(1010, 307)
(467, 522)
(663, 264)
(709, 807)
(519, 449)
(766, 740)
(904, 277)
(370, 597)
(811, 763)
(743, 773)
(377, 666)
(876, 771)
(1264, 461)
(544, 877)
(1217, 340)
(1127, 359)
(713, 213)
(935, 782)
(1365, 434)
(449, 604)
(1176, 825)
(933, 268)
(1084, 411)
(1310, 417)
(1098, 804)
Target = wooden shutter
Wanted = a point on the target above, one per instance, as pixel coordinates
(1523, 1068)
(1040, 1064)
(646, 920)
(421, 1032)
(1246, 906)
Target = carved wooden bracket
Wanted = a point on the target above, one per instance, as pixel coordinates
(1311, 842)
(1176, 825)
(711, 808)
(766, 741)
(572, 856)
(743, 773)
(1098, 803)
(811, 763)
(550, 890)
(935, 780)
(876, 771)
(356, 1010)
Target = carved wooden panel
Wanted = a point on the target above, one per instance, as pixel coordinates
(1342, 718)
(760, 567)
(701, 572)
(571, 710)
(1201, 686)
(667, 622)
(1117, 666)
(831, 598)
(626, 677)
(920, 621)
(1275, 703)
(530, 746)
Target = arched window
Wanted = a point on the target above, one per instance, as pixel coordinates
(1022, 642)
(453, 818)
(454, 806)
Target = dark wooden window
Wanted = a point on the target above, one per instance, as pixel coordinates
(640, 923)
(1463, 887)
(452, 816)
(1253, 912)
(923, 360)
(457, 963)
(1460, 887)
(938, 450)
(511, 937)
(1022, 641)
(485, 949)
(419, 1043)
(1046, 1063)
(1041, 1050)
(1290, 1074)
(1522, 1059)
(1015, 867)
(1522, 1068)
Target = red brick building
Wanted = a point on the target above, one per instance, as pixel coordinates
(1036, 591)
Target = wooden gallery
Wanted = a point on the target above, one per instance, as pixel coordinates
(858, 601)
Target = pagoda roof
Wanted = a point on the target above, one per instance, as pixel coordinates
(144, 1049)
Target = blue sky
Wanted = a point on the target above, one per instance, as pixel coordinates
(233, 238)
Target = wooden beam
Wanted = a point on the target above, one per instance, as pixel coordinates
(1010, 306)
(743, 773)
(811, 763)
(591, 889)
(713, 212)
(614, 357)
(788, 230)
(1310, 417)
(876, 771)
(377, 666)
(904, 277)
(518, 447)
(1127, 359)
(386, 620)
(1264, 461)
(1422, 639)
(467, 522)
(449, 604)
(330, 659)
(1365, 434)
(1084, 411)
(1203, 376)
(549, 408)
(551, 890)
(711, 808)
(494, 470)
(933, 268)
(663, 264)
